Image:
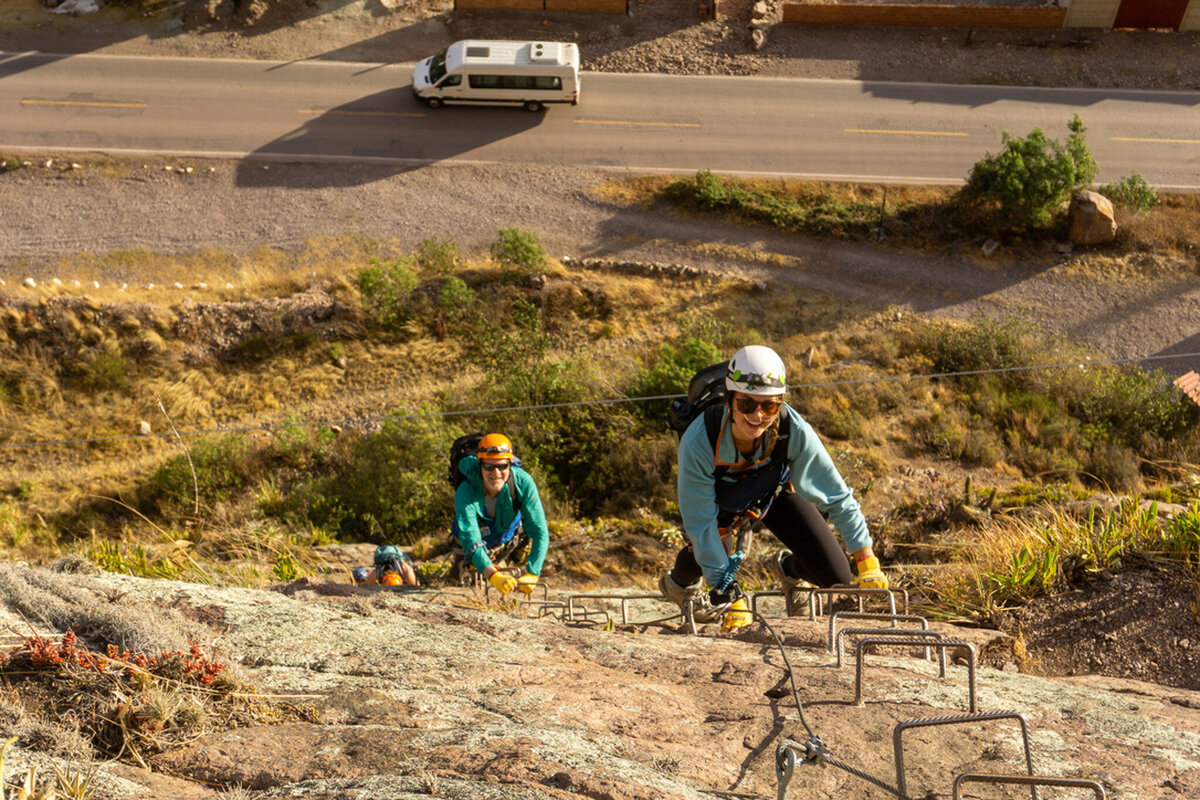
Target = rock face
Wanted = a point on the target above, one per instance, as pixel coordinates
(1091, 218)
(436, 692)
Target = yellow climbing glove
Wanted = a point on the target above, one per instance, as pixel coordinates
(503, 582)
(870, 576)
(738, 616)
(527, 582)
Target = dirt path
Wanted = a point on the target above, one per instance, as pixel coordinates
(223, 206)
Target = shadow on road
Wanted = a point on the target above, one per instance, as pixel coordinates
(378, 136)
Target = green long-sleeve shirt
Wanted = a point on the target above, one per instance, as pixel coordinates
(470, 506)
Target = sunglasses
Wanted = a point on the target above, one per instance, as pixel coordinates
(745, 404)
(489, 467)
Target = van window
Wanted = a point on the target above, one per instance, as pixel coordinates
(545, 82)
(437, 67)
(484, 81)
(453, 80)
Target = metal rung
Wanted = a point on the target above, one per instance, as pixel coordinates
(892, 634)
(962, 719)
(1027, 780)
(856, 592)
(624, 598)
(547, 607)
(894, 618)
(863, 644)
(768, 593)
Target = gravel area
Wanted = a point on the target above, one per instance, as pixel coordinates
(1132, 311)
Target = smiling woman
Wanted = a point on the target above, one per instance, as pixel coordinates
(766, 464)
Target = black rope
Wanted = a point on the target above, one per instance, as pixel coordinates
(821, 752)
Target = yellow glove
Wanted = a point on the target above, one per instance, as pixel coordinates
(738, 616)
(527, 582)
(870, 576)
(503, 582)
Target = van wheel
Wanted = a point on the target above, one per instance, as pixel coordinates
(533, 105)
(433, 102)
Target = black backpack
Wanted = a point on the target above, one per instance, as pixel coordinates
(706, 390)
(468, 445)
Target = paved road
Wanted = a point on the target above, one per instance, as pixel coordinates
(330, 111)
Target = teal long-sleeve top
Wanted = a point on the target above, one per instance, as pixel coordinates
(813, 474)
(470, 506)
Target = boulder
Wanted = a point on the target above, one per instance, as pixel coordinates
(1091, 219)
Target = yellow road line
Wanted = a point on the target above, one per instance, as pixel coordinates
(91, 103)
(906, 133)
(638, 124)
(1156, 141)
(341, 113)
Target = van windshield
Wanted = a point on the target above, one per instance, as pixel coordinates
(437, 67)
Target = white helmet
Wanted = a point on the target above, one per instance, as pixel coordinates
(756, 370)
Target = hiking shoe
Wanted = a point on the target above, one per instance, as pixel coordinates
(788, 583)
(702, 610)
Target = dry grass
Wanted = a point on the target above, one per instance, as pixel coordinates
(133, 705)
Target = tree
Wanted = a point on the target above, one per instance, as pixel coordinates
(1031, 177)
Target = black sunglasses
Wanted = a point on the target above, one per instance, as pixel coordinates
(487, 466)
(746, 405)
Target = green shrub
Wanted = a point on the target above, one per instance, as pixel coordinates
(812, 213)
(218, 468)
(517, 359)
(844, 425)
(986, 344)
(455, 299)
(519, 250)
(388, 486)
(1031, 177)
(1132, 192)
(673, 369)
(104, 372)
(439, 256)
(1127, 404)
(386, 291)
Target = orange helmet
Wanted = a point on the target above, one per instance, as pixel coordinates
(391, 579)
(495, 447)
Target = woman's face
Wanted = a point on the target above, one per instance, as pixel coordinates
(752, 423)
(495, 473)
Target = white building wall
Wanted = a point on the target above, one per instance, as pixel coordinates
(1095, 13)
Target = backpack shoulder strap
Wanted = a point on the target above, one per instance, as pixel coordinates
(512, 491)
(780, 452)
(712, 425)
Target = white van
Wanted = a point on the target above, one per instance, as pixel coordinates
(491, 71)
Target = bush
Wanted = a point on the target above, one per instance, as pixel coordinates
(455, 299)
(439, 256)
(104, 372)
(1132, 193)
(517, 359)
(674, 368)
(1031, 177)
(987, 344)
(217, 468)
(519, 250)
(388, 486)
(386, 290)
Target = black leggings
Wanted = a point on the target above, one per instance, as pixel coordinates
(817, 556)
